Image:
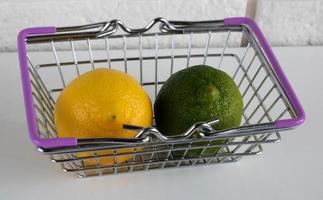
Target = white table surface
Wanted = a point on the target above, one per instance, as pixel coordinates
(291, 169)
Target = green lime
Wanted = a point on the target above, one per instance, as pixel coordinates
(197, 94)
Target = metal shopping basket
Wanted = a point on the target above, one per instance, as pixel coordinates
(152, 54)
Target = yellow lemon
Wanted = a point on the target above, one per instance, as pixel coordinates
(97, 104)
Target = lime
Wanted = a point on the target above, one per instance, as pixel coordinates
(198, 94)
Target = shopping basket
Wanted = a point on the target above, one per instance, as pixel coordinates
(152, 54)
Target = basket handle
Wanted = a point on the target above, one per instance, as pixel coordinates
(285, 84)
(27, 92)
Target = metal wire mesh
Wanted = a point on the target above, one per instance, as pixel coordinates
(263, 100)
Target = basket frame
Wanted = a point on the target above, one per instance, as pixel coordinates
(70, 146)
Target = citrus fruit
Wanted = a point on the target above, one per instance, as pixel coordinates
(197, 94)
(97, 104)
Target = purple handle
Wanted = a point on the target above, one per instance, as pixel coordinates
(300, 114)
(26, 86)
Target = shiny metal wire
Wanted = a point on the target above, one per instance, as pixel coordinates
(150, 149)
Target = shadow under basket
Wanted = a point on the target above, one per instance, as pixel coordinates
(152, 54)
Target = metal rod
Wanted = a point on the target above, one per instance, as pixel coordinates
(156, 64)
(75, 59)
(57, 63)
(90, 53)
(125, 54)
(242, 59)
(172, 55)
(41, 84)
(189, 50)
(207, 47)
(224, 47)
(107, 46)
(140, 59)
(247, 70)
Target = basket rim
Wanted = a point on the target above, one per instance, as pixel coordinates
(73, 142)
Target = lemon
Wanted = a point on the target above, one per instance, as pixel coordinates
(97, 104)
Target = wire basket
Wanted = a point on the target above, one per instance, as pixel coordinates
(152, 54)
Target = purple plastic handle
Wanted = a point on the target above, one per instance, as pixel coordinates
(26, 86)
(300, 114)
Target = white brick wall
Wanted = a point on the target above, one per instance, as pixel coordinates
(285, 22)
(291, 22)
